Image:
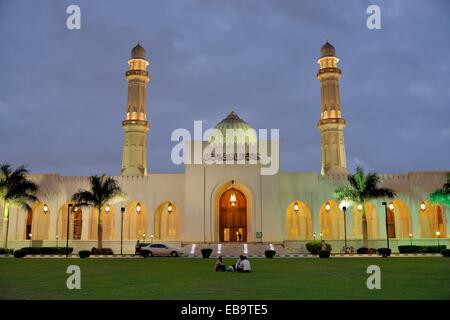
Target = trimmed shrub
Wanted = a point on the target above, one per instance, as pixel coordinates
(362, 250)
(84, 253)
(6, 251)
(432, 249)
(384, 252)
(47, 250)
(20, 253)
(324, 254)
(446, 252)
(314, 247)
(206, 253)
(409, 249)
(269, 253)
(102, 251)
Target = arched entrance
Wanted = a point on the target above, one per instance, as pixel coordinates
(167, 222)
(233, 216)
(75, 222)
(331, 221)
(298, 221)
(432, 219)
(399, 220)
(373, 230)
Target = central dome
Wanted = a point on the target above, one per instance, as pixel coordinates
(241, 131)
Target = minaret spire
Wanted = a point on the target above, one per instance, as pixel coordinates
(135, 125)
(331, 123)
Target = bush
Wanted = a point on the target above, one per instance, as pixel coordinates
(269, 253)
(47, 250)
(409, 249)
(102, 251)
(206, 253)
(384, 252)
(84, 253)
(6, 251)
(446, 252)
(314, 247)
(362, 250)
(432, 249)
(20, 253)
(324, 254)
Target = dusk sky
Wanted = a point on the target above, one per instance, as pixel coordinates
(63, 93)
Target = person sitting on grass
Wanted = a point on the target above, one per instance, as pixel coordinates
(244, 265)
(220, 267)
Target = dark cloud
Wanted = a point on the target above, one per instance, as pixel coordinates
(63, 93)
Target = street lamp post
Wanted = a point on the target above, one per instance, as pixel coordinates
(438, 234)
(410, 239)
(386, 221)
(57, 237)
(151, 238)
(321, 237)
(314, 236)
(122, 210)
(69, 207)
(344, 208)
(30, 235)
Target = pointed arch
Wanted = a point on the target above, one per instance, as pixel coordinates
(431, 220)
(75, 222)
(167, 224)
(134, 223)
(373, 223)
(108, 224)
(298, 225)
(331, 221)
(399, 220)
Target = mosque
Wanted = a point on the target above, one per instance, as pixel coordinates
(232, 204)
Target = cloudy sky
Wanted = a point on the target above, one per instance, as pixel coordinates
(63, 92)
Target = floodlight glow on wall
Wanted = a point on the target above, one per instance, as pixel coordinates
(45, 209)
(169, 208)
(107, 208)
(327, 207)
(138, 208)
(391, 206)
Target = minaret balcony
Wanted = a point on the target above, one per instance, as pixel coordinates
(329, 70)
(136, 73)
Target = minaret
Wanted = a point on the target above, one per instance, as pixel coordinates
(135, 126)
(331, 123)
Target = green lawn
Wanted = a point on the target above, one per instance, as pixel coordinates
(179, 278)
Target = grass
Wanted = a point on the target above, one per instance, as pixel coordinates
(179, 278)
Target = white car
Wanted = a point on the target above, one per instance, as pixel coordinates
(159, 249)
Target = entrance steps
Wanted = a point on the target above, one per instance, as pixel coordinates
(234, 248)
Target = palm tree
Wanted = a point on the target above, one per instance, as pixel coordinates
(103, 190)
(442, 195)
(361, 189)
(16, 190)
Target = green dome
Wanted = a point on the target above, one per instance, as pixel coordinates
(234, 122)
